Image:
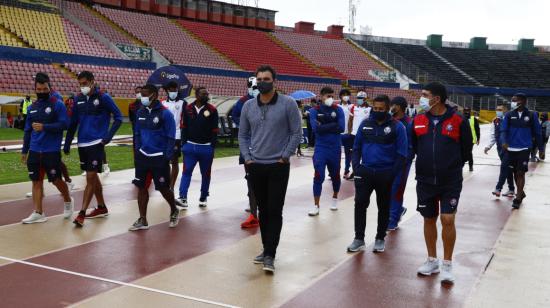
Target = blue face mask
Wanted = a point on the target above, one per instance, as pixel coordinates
(360, 101)
(379, 115)
(500, 114)
(424, 104)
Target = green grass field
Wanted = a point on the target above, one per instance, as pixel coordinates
(119, 158)
(17, 134)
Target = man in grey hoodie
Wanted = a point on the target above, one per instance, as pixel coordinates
(270, 130)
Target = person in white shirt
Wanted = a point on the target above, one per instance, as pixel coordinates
(347, 137)
(175, 105)
(357, 113)
(411, 111)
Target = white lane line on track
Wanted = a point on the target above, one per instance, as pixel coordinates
(131, 285)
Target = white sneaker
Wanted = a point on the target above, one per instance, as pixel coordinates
(35, 218)
(334, 206)
(68, 209)
(70, 185)
(314, 211)
(28, 195)
(431, 266)
(106, 170)
(83, 173)
(447, 272)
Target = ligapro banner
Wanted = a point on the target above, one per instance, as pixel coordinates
(164, 75)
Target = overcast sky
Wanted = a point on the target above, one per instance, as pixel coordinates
(501, 21)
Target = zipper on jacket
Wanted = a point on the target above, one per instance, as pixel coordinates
(433, 153)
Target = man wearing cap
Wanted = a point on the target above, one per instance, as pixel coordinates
(397, 210)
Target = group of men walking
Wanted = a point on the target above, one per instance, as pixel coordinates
(380, 139)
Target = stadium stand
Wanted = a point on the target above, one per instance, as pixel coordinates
(331, 54)
(88, 16)
(249, 47)
(18, 77)
(118, 81)
(167, 38)
(501, 68)
(44, 32)
(81, 43)
(421, 57)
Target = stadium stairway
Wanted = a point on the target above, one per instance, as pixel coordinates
(199, 39)
(115, 26)
(322, 72)
(454, 67)
(65, 70)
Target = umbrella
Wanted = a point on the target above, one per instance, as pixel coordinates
(302, 94)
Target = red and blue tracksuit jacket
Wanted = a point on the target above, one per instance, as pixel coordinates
(53, 114)
(327, 123)
(440, 148)
(519, 132)
(198, 129)
(92, 115)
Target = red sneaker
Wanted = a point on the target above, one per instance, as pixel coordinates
(250, 222)
(79, 220)
(98, 212)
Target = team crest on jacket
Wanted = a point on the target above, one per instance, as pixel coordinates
(52, 172)
(161, 179)
(333, 114)
(453, 202)
(96, 102)
(387, 130)
(48, 110)
(94, 162)
(526, 119)
(207, 113)
(450, 127)
(155, 120)
(177, 107)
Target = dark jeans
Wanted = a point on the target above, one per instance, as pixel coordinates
(367, 181)
(506, 173)
(310, 136)
(269, 183)
(470, 157)
(347, 142)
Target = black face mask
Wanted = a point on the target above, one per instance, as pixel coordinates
(203, 99)
(265, 87)
(467, 115)
(42, 96)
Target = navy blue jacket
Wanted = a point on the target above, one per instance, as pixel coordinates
(53, 114)
(407, 122)
(155, 131)
(518, 132)
(238, 108)
(440, 149)
(92, 116)
(202, 127)
(328, 124)
(382, 147)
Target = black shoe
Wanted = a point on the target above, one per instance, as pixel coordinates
(203, 203)
(259, 259)
(471, 168)
(269, 264)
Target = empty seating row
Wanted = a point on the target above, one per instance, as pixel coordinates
(18, 77)
(118, 81)
(249, 48)
(167, 37)
(331, 54)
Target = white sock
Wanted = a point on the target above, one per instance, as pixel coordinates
(431, 259)
(447, 262)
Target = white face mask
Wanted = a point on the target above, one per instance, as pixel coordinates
(85, 90)
(172, 95)
(329, 101)
(138, 95)
(424, 104)
(345, 98)
(360, 101)
(145, 101)
(514, 105)
(255, 92)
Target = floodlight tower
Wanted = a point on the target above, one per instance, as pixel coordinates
(352, 14)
